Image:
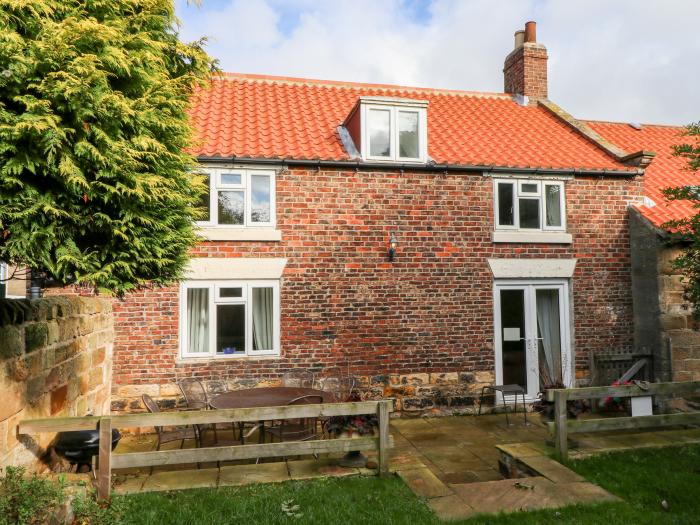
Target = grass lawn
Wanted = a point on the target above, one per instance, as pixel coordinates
(643, 479)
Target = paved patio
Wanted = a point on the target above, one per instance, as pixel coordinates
(451, 462)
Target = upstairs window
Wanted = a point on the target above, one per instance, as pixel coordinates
(530, 205)
(239, 198)
(389, 129)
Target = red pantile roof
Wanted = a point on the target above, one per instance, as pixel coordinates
(663, 172)
(287, 118)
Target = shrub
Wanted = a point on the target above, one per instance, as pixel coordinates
(26, 500)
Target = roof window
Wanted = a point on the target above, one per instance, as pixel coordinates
(389, 129)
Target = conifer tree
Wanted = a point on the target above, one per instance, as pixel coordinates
(96, 184)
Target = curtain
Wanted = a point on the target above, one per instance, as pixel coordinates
(550, 336)
(262, 319)
(197, 320)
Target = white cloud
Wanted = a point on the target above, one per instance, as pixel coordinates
(613, 60)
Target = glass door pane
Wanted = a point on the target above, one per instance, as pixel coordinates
(513, 341)
(549, 337)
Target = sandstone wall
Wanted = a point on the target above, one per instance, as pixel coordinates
(55, 360)
(679, 328)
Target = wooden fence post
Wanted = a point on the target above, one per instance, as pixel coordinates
(560, 428)
(104, 466)
(383, 416)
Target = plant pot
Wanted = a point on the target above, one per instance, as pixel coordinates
(354, 458)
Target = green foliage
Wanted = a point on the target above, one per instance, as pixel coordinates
(95, 181)
(88, 511)
(686, 232)
(26, 500)
(643, 479)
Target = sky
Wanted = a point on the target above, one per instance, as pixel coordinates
(619, 60)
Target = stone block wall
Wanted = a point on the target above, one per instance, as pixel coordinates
(55, 361)
(419, 394)
(664, 323)
(679, 328)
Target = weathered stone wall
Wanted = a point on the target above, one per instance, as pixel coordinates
(55, 360)
(663, 319)
(422, 393)
(679, 328)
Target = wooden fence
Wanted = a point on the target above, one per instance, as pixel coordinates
(562, 427)
(108, 460)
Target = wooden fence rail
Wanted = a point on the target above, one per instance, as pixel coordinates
(562, 427)
(107, 460)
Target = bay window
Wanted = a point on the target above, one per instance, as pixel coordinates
(229, 318)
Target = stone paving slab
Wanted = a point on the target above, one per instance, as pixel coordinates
(512, 495)
(129, 485)
(450, 508)
(246, 474)
(176, 480)
(551, 469)
(519, 450)
(317, 468)
(424, 483)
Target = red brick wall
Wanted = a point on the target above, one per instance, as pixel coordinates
(430, 311)
(525, 71)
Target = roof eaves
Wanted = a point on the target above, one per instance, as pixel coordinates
(429, 166)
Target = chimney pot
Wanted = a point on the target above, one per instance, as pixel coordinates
(519, 38)
(525, 68)
(531, 32)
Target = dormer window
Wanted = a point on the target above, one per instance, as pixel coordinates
(389, 129)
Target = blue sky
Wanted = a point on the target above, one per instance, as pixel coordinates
(623, 60)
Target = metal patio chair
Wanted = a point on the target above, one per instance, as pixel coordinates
(298, 378)
(196, 399)
(302, 429)
(171, 433)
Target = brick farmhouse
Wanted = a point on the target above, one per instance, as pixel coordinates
(426, 241)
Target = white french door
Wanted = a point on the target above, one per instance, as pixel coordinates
(532, 340)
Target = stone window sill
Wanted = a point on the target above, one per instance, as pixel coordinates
(208, 359)
(532, 237)
(217, 233)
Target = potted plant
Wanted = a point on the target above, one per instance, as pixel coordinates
(352, 427)
(546, 408)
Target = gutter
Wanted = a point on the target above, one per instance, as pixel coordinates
(429, 167)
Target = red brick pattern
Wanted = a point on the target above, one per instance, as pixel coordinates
(430, 311)
(525, 71)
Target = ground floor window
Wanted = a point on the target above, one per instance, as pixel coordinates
(229, 318)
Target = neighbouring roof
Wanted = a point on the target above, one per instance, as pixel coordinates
(664, 171)
(254, 116)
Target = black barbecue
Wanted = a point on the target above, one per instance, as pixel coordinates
(79, 446)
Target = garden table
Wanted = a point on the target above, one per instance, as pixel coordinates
(264, 397)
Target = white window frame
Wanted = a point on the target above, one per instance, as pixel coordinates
(394, 149)
(214, 300)
(216, 185)
(540, 196)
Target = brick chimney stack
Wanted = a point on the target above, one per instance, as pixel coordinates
(525, 68)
